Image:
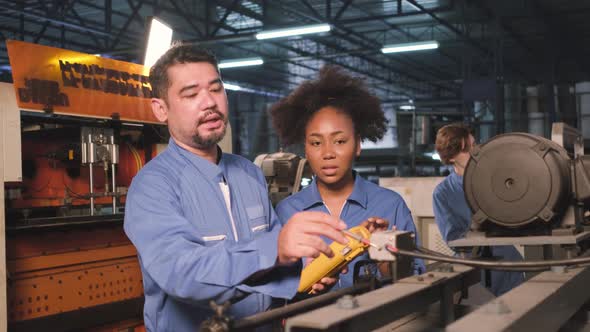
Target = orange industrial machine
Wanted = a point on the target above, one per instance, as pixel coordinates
(82, 127)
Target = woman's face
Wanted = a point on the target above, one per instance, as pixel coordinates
(331, 145)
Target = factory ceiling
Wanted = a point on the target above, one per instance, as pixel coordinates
(524, 41)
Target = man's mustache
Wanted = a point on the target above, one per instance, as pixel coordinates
(208, 113)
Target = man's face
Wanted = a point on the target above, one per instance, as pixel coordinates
(196, 107)
(331, 145)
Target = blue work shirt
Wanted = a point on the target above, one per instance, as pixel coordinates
(366, 200)
(189, 250)
(453, 218)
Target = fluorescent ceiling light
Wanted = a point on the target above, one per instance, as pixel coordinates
(304, 30)
(233, 87)
(407, 107)
(240, 63)
(159, 40)
(427, 45)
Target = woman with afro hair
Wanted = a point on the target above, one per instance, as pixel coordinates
(331, 116)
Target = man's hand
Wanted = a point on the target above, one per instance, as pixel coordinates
(301, 236)
(376, 224)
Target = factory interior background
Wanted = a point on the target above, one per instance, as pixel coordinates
(499, 66)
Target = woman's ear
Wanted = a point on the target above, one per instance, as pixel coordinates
(358, 146)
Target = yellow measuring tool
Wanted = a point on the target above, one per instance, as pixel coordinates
(323, 266)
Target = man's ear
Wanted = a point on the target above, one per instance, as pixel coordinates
(160, 109)
(464, 143)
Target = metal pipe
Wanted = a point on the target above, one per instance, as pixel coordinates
(493, 265)
(84, 152)
(91, 189)
(105, 167)
(114, 162)
(113, 174)
(248, 323)
(91, 171)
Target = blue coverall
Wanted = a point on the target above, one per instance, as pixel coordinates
(190, 251)
(366, 200)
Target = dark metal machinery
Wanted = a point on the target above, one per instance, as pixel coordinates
(524, 190)
(522, 184)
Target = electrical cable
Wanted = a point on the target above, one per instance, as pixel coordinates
(428, 251)
(509, 269)
(436, 253)
(70, 191)
(492, 265)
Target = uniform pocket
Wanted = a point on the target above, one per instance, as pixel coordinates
(214, 238)
(256, 218)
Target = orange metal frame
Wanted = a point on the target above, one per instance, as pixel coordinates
(56, 272)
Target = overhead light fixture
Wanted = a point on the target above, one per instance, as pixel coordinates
(296, 31)
(407, 107)
(240, 63)
(408, 47)
(159, 40)
(232, 87)
(435, 156)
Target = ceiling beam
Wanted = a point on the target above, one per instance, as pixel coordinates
(9, 10)
(134, 12)
(460, 34)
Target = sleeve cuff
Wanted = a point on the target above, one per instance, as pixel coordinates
(283, 280)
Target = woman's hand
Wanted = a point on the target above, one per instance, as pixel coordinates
(376, 224)
(326, 283)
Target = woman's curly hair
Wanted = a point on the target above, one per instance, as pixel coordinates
(334, 88)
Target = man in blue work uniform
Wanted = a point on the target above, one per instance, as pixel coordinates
(451, 212)
(201, 219)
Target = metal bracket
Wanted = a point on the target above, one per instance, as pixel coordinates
(430, 278)
(475, 153)
(546, 214)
